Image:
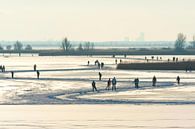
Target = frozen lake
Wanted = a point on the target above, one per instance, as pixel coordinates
(67, 80)
(64, 98)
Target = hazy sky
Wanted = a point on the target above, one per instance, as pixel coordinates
(96, 20)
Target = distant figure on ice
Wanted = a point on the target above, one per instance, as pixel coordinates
(108, 84)
(178, 80)
(96, 62)
(38, 74)
(3, 68)
(115, 61)
(136, 81)
(35, 67)
(100, 76)
(12, 73)
(94, 86)
(88, 63)
(114, 84)
(102, 65)
(99, 65)
(154, 80)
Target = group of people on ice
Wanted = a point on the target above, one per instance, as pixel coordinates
(110, 83)
(113, 82)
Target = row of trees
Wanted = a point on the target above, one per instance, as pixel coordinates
(18, 46)
(180, 43)
(67, 46)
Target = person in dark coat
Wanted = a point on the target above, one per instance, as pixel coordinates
(136, 81)
(178, 80)
(12, 73)
(38, 74)
(114, 82)
(108, 84)
(94, 86)
(35, 67)
(100, 76)
(154, 80)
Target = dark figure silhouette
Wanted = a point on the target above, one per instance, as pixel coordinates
(88, 63)
(94, 86)
(114, 82)
(102, 65)
(178, 80)
(3, 68)
(173, 59)
(115, 61)
(177, 59)
(99, 65)
(108, 84)
(100, 76)
(190, 68)
(125, 55)
(38, 74)
(121, 61)
(96, 62)
(35, 67)
(12, 74)
(154, 80)
(136, 81)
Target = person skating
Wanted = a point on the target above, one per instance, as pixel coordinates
(100, 76)
(136, 81)
(94, 86)
(178, 80)
(38, 74)
(114, 82)
(108, 84)
(35, 67)
(154, 80)
(12, 73)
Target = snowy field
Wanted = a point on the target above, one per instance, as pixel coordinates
(63, 98)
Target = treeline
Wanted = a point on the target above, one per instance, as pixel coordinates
(17, 46)
(180, 43)
(67, 46)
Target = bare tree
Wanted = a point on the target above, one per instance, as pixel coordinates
(1, 47)
(18, 46)
(87, 46)
(80, 47)
(180, 42)
(66, 45)
(193, 42)
(8, 47)
(28, 48)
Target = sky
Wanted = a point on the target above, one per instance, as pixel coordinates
(96, 20)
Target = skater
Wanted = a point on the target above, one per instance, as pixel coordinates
(35, 67)
(94, 86)
(12, 74)
(38, 74)
(108, 84)
(154, 80)
(3, 68)
(178, 80)
(102, 65)
(88, 63)
(100, 76)
(136, 81)
(99, 65)
(114, 84)
(115, 61)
